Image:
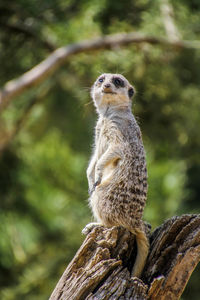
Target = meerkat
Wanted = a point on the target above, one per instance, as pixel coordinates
(117, 173)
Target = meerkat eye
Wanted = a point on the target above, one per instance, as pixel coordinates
(101, 79)
(131, 92)
(118, 82)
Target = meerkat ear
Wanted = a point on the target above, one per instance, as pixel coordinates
(131, 92)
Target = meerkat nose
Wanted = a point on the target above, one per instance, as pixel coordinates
(107, 85)
(107, 88)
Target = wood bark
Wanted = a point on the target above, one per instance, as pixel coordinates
(101, 267)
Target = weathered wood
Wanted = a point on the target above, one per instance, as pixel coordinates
(101, 267)
(174, 253)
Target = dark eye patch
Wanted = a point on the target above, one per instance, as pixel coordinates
(118, 82)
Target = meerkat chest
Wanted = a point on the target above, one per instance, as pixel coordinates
(103, 140)
(109, 135)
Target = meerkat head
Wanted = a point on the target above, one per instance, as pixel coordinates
(112, 90)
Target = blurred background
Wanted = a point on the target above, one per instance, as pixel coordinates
(47, 132)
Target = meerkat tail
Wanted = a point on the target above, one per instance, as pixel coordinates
(142, 253)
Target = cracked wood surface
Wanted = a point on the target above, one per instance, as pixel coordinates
(101, 267)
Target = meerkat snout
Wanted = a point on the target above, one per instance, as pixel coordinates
(107, 85)
(106, 88)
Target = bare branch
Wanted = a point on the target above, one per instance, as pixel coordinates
(43, 70)
(170, 27)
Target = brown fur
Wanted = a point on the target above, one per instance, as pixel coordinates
(117, 173)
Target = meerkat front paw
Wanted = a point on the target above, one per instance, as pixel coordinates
(94, 187)
(90, 187)
(98, 176)
(88, 228)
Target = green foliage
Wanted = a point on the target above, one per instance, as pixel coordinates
(43, 187)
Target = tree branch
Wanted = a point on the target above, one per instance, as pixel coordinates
(100, 269)
(170, 27)
(43, 70)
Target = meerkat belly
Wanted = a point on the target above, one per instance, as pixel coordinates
(119, 194)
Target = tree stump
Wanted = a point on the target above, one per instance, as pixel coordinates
(101, 267)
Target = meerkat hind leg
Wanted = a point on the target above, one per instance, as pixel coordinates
(88, 228)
